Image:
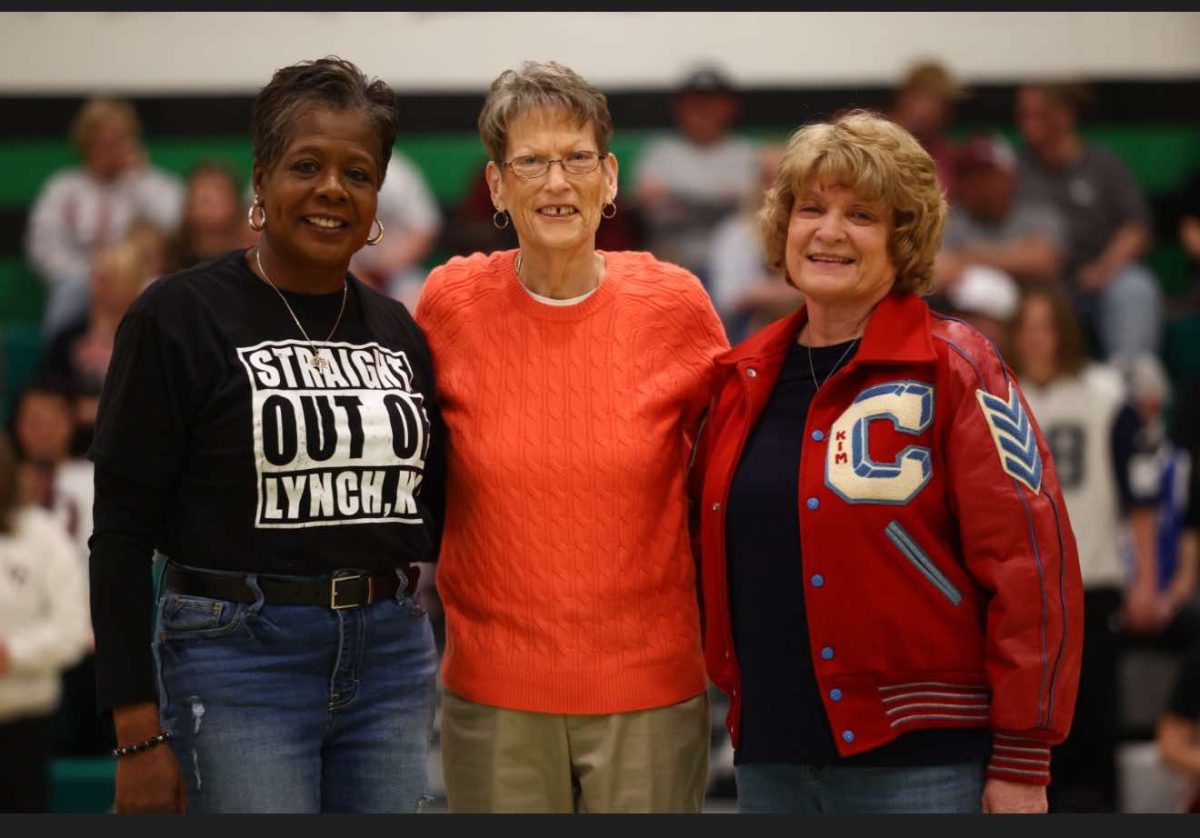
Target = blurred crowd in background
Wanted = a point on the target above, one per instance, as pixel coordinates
(1043, 252)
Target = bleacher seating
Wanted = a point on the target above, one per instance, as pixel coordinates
(1160, 154)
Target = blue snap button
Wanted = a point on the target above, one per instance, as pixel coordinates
(818, 580)
(813, 503)
(817, 436)
(827, 653)
(835, 694)
(847, 736)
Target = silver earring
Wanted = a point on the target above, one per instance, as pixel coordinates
(500, 219)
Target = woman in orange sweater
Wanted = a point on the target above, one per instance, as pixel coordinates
(572, 382)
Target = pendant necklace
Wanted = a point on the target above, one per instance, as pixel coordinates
(813, 372)
(315, 361)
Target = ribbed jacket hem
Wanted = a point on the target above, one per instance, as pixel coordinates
(1019, 759)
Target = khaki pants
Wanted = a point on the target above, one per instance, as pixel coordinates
(498, 760)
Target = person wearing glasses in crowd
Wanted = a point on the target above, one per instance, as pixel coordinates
(572, 381)
(891, 588)
(268, 424)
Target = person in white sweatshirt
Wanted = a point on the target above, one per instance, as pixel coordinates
(43, 630)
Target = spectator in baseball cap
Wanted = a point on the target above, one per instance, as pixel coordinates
(690, 181)
(994, 244)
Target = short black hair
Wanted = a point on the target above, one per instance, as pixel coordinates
(330, 82)
(47, 384)
(43, 384)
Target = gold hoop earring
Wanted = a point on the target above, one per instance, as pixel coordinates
(374, 240)
(500, 216)
(257, 205)
(608, 210)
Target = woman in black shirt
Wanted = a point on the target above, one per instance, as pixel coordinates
(267, 424)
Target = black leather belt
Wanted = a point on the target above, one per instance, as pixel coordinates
(336, 592)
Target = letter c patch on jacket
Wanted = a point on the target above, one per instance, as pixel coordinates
(849, 469)
(1013, 434)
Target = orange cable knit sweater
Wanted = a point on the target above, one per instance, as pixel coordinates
(565, 569)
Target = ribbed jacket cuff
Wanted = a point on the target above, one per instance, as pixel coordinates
(1019, 759)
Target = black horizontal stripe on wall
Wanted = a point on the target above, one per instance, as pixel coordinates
(763, 107)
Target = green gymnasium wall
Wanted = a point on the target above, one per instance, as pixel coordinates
(1161, 156)
(1151, 123)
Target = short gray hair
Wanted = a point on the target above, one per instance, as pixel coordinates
(541, 85)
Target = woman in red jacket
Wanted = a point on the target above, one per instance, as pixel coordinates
(891, 585)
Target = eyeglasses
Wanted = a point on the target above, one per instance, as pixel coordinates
(530, 166)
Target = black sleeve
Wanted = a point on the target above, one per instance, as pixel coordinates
(1124, 446)
(433, 484)
(1185, 697)
(128, 516)
(140, 440)
(150, 392)
(433, 481)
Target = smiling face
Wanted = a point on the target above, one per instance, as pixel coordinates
(837, 246)
(320, 195)
(556, 211)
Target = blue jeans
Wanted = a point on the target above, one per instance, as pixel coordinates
(841, 789)
(1128, 314)
(297, 708)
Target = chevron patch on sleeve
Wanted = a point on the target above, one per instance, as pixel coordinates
(1013, 434)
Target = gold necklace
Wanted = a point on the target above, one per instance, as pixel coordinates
(315, 361)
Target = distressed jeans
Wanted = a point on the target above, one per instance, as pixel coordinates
(852, 789)
(297, 708)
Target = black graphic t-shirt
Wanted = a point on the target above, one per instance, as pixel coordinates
(228, 441)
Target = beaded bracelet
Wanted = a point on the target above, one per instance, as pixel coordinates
(138, 747)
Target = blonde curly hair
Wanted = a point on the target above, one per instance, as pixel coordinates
(880, 161)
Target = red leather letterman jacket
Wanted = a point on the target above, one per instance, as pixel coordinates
(942, 577)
